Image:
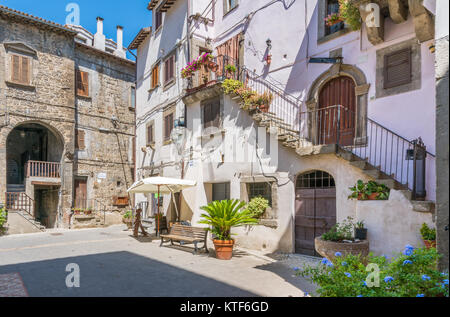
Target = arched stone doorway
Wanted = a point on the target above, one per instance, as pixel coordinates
(34, 154)
(315, 209)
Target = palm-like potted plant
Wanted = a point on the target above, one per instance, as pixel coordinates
(221, 216)
(428, 236)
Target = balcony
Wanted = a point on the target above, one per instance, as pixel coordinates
(211, 72)
(43, 173)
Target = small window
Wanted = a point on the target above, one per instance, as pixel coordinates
(397, 68)
(211, 114)
(150, 134)
(82, 83)
(80, 143)
(260, 190)
(220, 191)
(168, 125)
(158, 19)
(155, 77)
(169, 69)
(229, 5)
(20, 69)
(133, 97)
(333, 8)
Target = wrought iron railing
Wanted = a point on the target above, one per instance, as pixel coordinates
(383, 149)
(43, 169)
(20, 201)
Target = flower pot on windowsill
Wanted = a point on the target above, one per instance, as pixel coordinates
(263, 108)
(224, 249)
(430, 243)
(331, 23)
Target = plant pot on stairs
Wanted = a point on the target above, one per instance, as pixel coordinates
(224, 249)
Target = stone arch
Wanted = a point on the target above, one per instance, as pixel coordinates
(361, 91)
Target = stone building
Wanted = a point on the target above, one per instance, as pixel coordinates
(335, 105)
(67, 123)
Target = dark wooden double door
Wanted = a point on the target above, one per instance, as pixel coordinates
(337, 124)
(315, 213)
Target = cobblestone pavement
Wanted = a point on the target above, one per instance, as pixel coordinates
(11, 285)
(113, 263)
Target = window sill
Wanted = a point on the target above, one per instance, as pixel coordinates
(169, 84)
(153, 89)
(271, 223)
(213, 134)
(20, 85)
(231, 10)
(333, 36)
(157, 30)
(89, 98)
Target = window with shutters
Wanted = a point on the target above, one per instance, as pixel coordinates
(155, 77)
(120, 201)
(150, 134)
(82, 79)
(211, 115)
(20, 69)
(80, 143)
(168, 124)
(229, 5)
(397, 68)
(169, 69)
(158, 19)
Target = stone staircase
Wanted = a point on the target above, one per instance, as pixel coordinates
(291, 139)
(29, 218)
(18, 202)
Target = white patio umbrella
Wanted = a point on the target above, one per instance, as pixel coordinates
(160, 185)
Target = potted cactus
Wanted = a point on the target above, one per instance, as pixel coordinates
(221, 216)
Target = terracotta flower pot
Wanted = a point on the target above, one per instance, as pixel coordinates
(430, 243)
(373, 196)
(224, 249)
(264, 108)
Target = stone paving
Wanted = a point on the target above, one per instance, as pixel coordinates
(113, 263)
(11, 285)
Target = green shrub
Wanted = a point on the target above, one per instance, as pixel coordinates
(427, 233)
(257, 206)
(231, 85)
(128, 214)
(3, 217)
(411, 274)
(350, 14)
(340, 231)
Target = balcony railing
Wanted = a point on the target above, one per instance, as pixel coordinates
(20, 201)
(43, 169)
(393, 155)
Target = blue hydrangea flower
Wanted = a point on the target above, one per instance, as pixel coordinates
(409, 250)
(296, 269)
(388, 279)
(348, 274)
(425, 277)
(338, 254)
(364, 283)
(445, 282)
(359, 296)
(420, 295)
(344, 263)
(306, 294)
(407, 262)
(324, 261)
(330, 264)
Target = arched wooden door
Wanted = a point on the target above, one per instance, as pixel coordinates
(315, 209)
(337, 124)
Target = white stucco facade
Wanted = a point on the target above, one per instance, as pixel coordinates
(240, 149)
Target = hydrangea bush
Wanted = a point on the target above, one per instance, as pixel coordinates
(412, 273)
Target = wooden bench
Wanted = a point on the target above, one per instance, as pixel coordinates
(187, 234)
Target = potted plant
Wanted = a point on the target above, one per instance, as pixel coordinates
(339, 241)
(332, 19)
(127, 219)
(263, 101)
(221, 216)
(360, 231)
(369, 191)
(88, 211)
(428, 236)
(230, 70)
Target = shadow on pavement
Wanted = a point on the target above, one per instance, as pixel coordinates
(123, 274)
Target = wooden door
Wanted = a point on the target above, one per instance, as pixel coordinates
(315, 209)
(80, 193)
(337, 124)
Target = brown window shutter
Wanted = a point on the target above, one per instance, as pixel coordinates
(85, 80)
(80, 140)
(82, 80)
(215, 114)
(25, 71)
(150, 137)
(15, 68)
(172, 67)
(166, 71)
(157, 76)
(397, 68)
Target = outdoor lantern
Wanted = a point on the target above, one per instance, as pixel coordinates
(269, 44)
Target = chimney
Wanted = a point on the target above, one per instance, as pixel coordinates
(99, 37)
(120, 51)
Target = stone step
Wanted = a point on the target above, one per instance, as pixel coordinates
(374, 173)
(423, 206)
(391, 183)
(363, 165)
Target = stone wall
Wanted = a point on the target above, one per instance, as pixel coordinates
(48, 100)
(107, 119)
